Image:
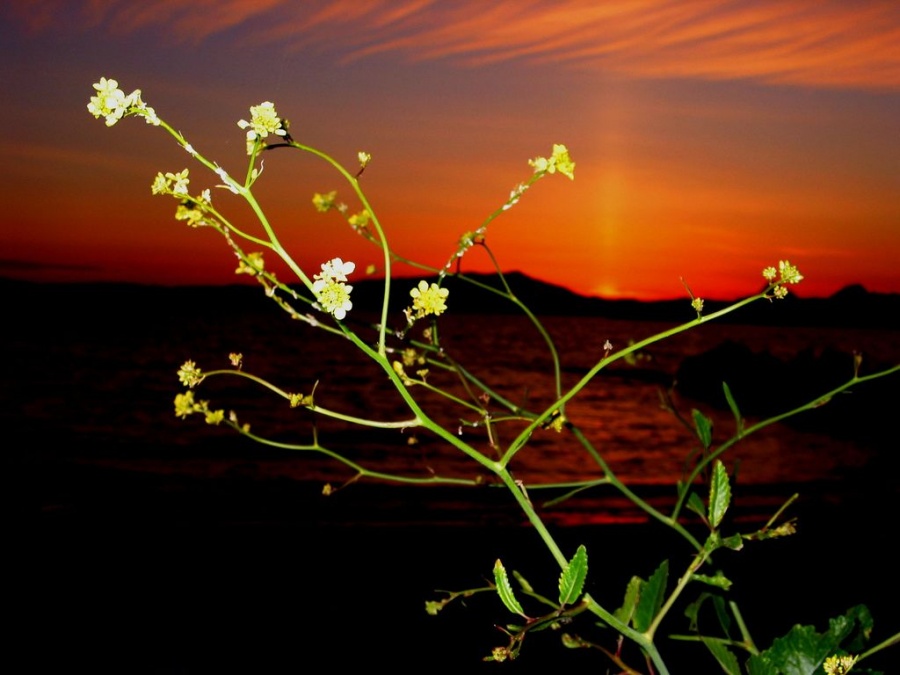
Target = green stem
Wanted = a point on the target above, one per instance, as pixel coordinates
(699, 559)
(386, 251)
(641, 639)
(621, 487)
(893, 640)
(519, 442)
(748, 642)
(548, 341)
(814, 403)
(486, 388)
(574, 488)
(527, 507)
(358, 468)
(645, 641)
(424, 419)
(362, 421)
(445, 395)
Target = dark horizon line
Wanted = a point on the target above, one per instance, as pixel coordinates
(854, 288)
(852, 306)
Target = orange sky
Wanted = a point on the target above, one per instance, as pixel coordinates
(711, 139)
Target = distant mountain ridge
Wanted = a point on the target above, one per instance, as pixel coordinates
(851, 306)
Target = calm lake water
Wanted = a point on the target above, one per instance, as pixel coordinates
(152, 544)
(99, 382)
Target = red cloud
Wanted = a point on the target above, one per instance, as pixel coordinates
(822, 44)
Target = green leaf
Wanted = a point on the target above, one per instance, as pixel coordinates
(692, 611)
(571, 580)
(723, 655)
(800, 651)
(632, 595)
(732, 404)
(523, 582)
(735, 542)
(803, 650)
(695, 504)
(719, 494)
(703, 425)
(505, 591)
(718, 603)
(722, 615)
(653, 592)
(759, 664)
(858, 638)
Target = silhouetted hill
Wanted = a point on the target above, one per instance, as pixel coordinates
(852, 306)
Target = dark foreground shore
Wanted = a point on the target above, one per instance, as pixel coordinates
(138, 544)
(122, 573)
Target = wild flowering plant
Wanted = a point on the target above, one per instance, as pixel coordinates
(416, 366)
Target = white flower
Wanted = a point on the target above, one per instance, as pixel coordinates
(332, 294)
(179, 181)
(429, 299)
(110, 101)
(336, 270)
(263, 121)
(171, 183)
(333, 297)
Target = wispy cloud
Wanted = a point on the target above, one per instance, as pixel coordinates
(832, 44)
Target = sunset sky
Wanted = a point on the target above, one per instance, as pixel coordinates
(711, 139)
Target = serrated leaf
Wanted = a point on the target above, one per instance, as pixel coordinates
(504, 589)
(692, 612)
(858, 638)
(799, 651)
(695, 504)
(723, 655)
(719, 494)
(632, 594)
(703, 425)
(571, 580)
(759, 664)
(722, 614)
(653, 591)
(803, 650)
(732, 404)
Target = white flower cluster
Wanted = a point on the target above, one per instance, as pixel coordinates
(263, 121)
(113, 104)
(331, 289)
